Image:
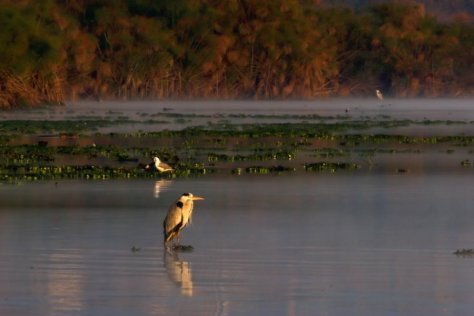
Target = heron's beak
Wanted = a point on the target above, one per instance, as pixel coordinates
(197, 198)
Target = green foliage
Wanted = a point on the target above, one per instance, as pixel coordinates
(28, 39)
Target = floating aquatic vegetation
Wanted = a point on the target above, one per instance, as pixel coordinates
(186, 169)
(325, 166)
(469, 252)
(467, 163)
(267, 170)
(15, 172)
(237, 171)
(330, 152)
(212, 157)
(402, 170)
(371, 152)
(66, 152)
(269, 155)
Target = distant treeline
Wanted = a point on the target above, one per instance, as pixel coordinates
(57, 50)
(446, 10)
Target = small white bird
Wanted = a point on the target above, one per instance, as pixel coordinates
(379, 94)
(179, 215)
(161, 166)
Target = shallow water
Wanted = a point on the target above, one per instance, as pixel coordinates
(337, 244)
(173, 115)
(413, 109)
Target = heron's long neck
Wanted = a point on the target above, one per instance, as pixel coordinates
(189, 212)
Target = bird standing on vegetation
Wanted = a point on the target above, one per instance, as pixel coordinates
(161, 166)
(379, 94)
(179, 216)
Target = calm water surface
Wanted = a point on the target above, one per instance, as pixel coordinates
(173, 115)
(344, 244)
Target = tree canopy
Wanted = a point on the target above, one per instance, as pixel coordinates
(52, 51)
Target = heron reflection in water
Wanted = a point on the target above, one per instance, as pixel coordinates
(179, 272)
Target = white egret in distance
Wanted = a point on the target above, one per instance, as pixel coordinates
(179, 216)
(379, 94)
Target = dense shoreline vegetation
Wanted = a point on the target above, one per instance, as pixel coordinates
(52, 51)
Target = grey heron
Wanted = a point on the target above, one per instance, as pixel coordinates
(179, 216)
(379, 94)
